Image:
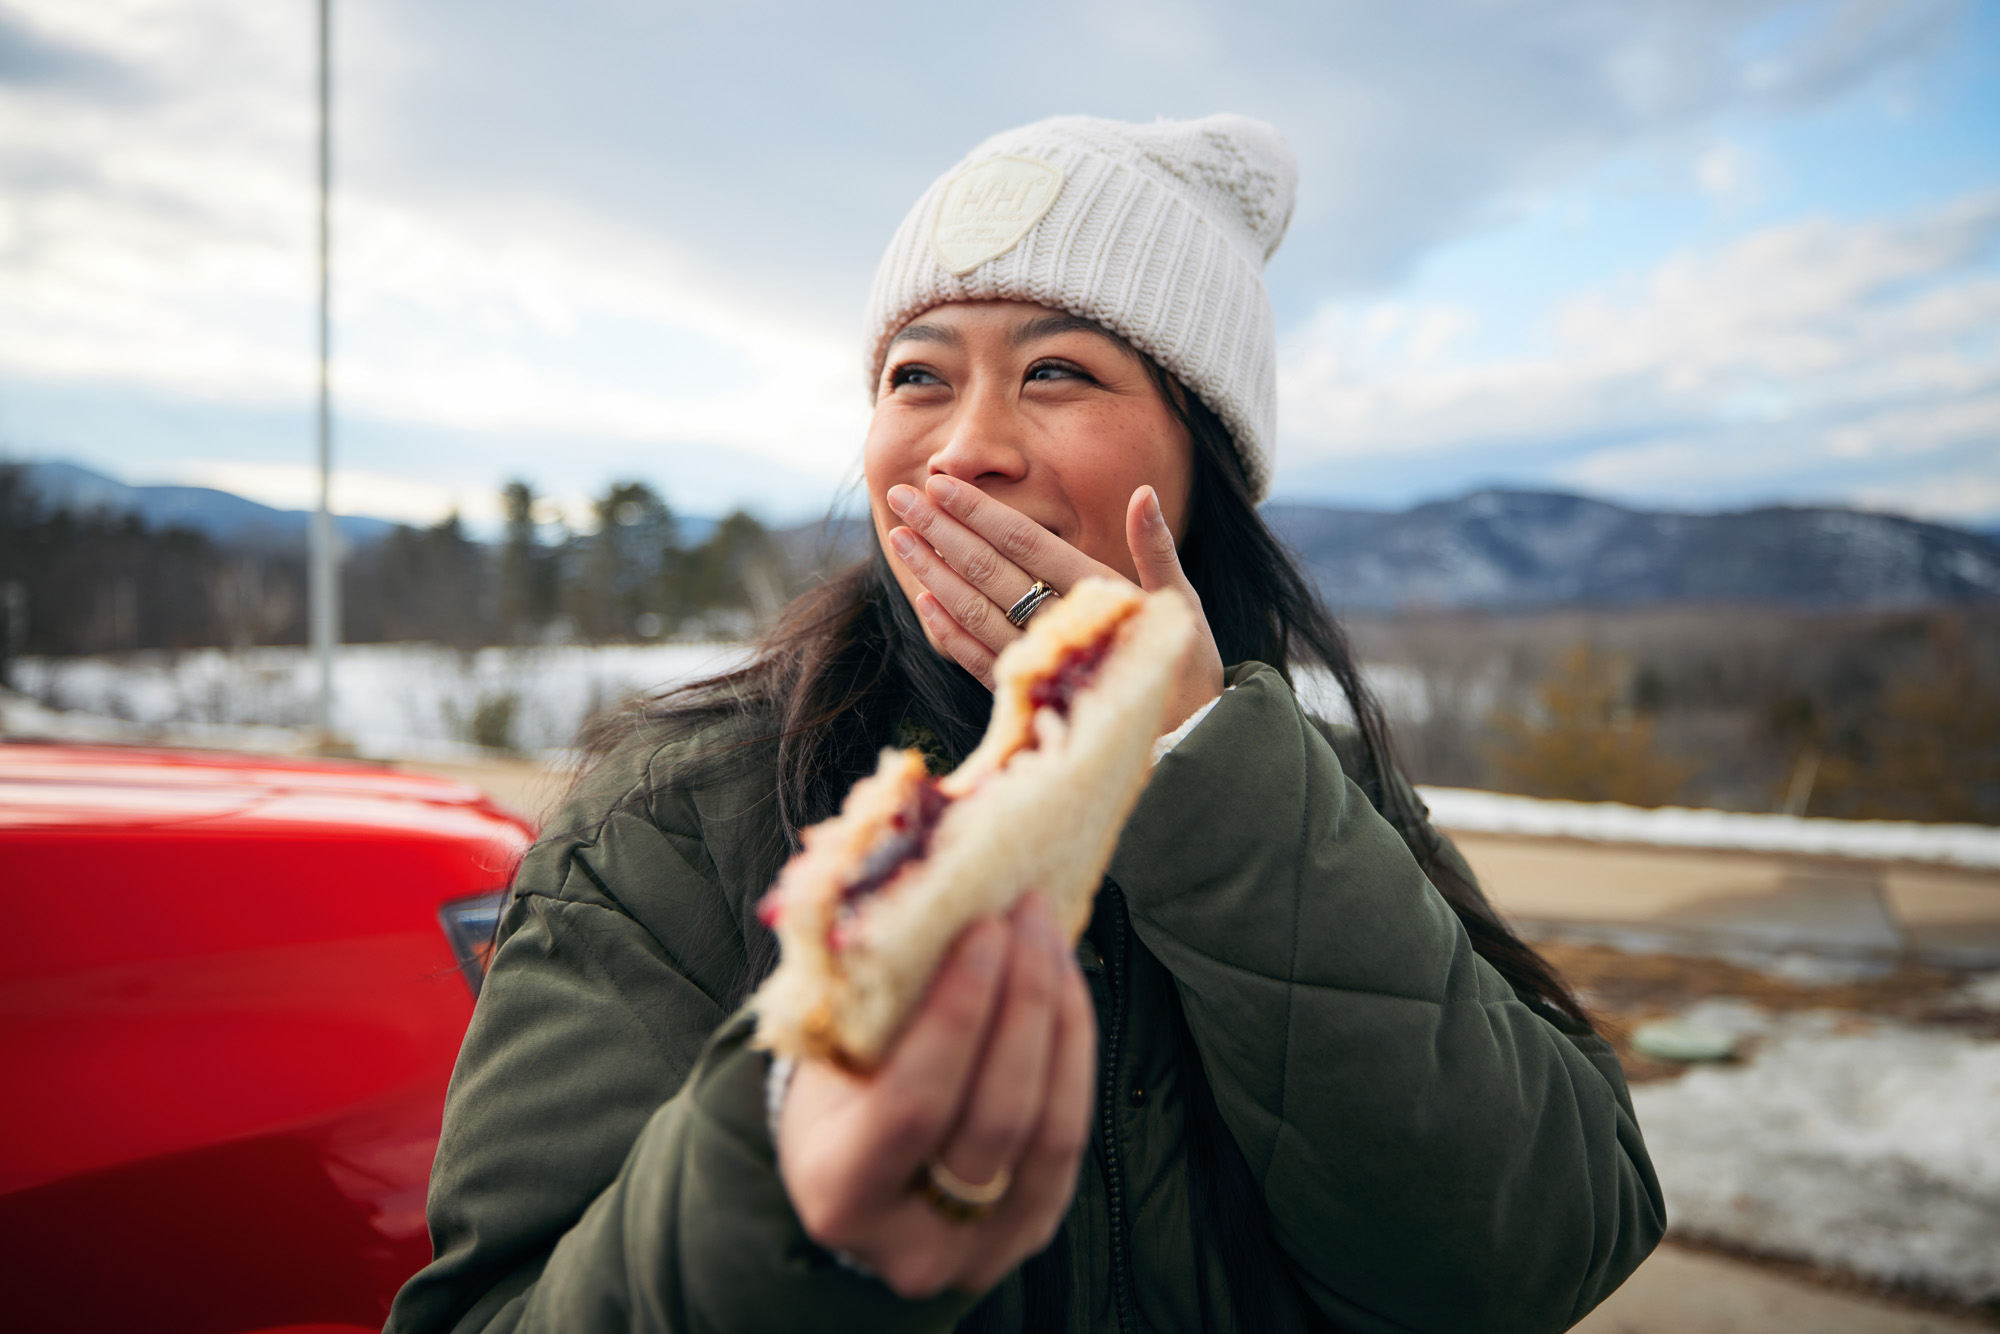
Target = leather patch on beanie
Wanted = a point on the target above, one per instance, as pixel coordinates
(986, 209)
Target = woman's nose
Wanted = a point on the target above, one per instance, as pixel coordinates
(983, 442)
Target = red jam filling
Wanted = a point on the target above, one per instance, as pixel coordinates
(907, 838)
(1075, 669)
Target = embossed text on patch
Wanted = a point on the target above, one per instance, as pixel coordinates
(989, 207)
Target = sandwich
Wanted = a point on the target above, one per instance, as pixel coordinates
(868, 907)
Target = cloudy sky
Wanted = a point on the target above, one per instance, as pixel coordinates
(1690, 253)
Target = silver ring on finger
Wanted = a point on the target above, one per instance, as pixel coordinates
(1037, 594)
(960, 1200)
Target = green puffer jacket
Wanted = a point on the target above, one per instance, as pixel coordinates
(1434, 1153)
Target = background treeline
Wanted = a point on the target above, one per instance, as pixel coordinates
(1863, 715)
(97, 582)
(1853, 713)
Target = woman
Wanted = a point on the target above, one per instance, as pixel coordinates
(1297, 1075)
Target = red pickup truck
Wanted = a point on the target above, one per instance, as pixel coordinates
(231, 991)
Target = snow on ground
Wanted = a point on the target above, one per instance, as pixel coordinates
(416, 699)
(1867, 1146)
(389, 699)
(1403, 692)
(1462, 810)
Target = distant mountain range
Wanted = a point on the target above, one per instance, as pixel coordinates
(1514, 550)
(1502, 551)
(222, 515)
(1494, 550)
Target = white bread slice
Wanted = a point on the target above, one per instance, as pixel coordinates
(1039, 805)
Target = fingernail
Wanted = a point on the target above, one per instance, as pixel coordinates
(1153, 514)
(901, 498)
(903, 540)
(943, 488)
(927, 606)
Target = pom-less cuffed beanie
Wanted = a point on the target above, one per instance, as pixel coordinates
(1157, 232)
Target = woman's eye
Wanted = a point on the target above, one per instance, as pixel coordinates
(1047, 371)
(918, 375)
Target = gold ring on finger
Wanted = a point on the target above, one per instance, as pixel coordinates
(960, 1200)
(1037, 594)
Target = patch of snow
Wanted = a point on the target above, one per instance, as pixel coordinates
(23, 717)
(1880, 840)
(1820, 970)
(1982, 993)
(389, 699)
(1797, 966)
(1738, 1018)
(1875, 1152)
(1969, 567)
(1404, 692)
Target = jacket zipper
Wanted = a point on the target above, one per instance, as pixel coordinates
(1107, 1104)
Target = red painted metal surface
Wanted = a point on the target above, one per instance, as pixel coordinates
(228, 1011)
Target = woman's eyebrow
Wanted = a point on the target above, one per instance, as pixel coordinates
(927, 333)
(1048, 326)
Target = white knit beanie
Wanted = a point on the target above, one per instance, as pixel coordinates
(1157, 232)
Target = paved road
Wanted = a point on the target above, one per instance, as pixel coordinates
(1943, 914)
(1690, 1292)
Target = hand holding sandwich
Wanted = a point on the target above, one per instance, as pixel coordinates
(993, 1074)
(943, 1037)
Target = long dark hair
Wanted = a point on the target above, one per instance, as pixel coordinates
(847, 666)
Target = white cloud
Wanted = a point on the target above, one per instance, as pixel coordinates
(1724, 169)
(171, 248)
(634, 228)
(1976, 496)
(1813, 340)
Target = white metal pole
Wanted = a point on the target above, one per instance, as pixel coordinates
(324, 592)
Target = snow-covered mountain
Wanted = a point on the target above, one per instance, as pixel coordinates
(1497, 550)
(1511, 550)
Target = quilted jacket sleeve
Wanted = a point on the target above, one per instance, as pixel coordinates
(605, 1163)
(1435, 1154)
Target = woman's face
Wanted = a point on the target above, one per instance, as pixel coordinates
(1037, 409)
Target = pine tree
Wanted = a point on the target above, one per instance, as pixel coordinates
(739, 568)
(527, 574)
(624, 574)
